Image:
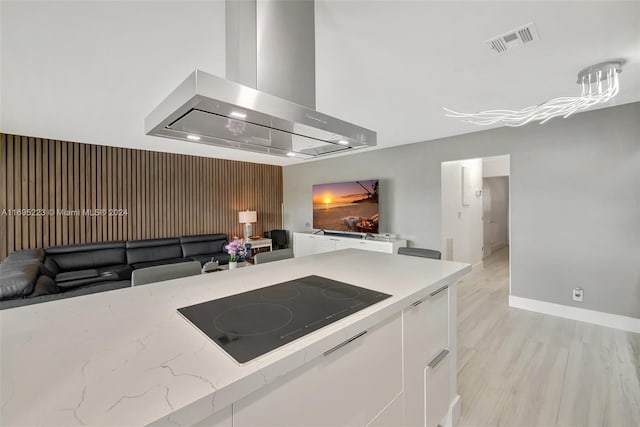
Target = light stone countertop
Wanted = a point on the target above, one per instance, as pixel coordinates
(126, 357)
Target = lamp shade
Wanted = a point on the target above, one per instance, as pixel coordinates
(247, 217)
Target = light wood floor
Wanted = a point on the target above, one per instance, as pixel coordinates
(520, 368)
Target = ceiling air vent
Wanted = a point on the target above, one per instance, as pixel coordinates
(514, 38)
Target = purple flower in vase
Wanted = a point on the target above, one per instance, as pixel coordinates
(236, 250)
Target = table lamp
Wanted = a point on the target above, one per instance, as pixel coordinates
(248, 218)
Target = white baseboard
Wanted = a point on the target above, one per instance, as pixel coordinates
(601, 318)
(478, 266)
(453, 416)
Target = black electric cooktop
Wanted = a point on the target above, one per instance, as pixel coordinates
(253, 323)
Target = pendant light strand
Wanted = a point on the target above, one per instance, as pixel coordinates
(599, 84)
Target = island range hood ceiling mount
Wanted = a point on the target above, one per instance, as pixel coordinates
(267, 103)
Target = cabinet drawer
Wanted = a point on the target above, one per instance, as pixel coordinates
(347, 387)
(323, 245)
(371, 246)
(347, 244)
(427, 325)
(303, 245)
(436, 380)
(391, 416)
(426, 333)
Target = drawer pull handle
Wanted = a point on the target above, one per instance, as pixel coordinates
(342, 344)
(417, 303)
(437, 291)
(438, 358)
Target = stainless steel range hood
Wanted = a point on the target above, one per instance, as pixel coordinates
(267, 103)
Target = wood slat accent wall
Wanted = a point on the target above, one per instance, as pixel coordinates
(164, 195)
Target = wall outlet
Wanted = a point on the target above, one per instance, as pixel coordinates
(577, 294)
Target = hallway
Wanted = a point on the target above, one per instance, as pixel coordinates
(520, 368)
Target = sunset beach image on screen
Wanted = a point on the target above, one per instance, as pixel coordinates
(346, 206)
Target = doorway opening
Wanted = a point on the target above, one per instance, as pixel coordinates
(495, 213)
(475, 200)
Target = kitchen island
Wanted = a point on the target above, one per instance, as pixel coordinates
(126, 357)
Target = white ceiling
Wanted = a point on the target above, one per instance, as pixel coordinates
(393, 65)
(91, 71)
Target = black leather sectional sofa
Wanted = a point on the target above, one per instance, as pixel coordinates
(40, 275)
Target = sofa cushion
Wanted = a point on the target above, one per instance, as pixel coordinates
(18, 279)
(160, 262)
(45, 286)
(84, 247)
(152, 250)
(49, 267)
(85, 290)
(71, 284)
(99, 287)
(203, 244)
(26, 256)
(85, 256)
(203, 237)
(74, 279)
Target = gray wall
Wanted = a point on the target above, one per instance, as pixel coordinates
(575, 201)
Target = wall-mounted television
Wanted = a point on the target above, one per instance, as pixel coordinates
(346, 206)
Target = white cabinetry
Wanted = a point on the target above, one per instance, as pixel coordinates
(377, 246)
(309, 244)
(350, 386)
(324, 245)
(390, 416)
(436, 386)
(426, 342)
(223, 418)
(401, 372)
(344, 243)
(304, 244)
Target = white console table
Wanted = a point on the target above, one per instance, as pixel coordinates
(310, 244)
(260, 243)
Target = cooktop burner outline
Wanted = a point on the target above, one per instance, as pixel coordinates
(273, 318)
(250, 324)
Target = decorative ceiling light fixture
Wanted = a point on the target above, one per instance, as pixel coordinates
(599, 84)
